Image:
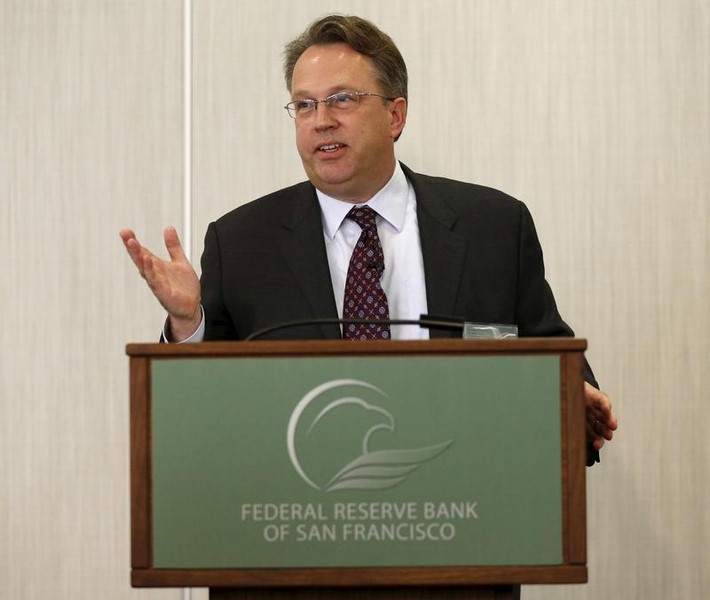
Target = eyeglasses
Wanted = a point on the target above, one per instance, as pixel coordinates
(340, 101)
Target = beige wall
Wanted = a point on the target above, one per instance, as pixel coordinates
(594, 112)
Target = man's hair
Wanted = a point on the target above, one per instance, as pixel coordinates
(363, 37)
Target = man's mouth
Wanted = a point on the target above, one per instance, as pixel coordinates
(330, 147)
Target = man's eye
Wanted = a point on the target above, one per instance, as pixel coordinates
(343, 99)
(303, 105)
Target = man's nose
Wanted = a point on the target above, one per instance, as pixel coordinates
(324, 117)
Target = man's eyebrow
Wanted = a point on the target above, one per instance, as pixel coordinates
(300, 95)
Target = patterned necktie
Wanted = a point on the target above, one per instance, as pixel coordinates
(364, 296)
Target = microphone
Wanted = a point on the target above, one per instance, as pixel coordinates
(379, 267)
(427, 321)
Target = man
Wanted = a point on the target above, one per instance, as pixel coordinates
(444, 247)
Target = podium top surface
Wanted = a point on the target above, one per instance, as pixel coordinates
(346, 347)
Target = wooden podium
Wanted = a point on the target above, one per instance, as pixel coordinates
(202, 482)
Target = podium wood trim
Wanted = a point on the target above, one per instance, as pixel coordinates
(505, 592)
(573, 569)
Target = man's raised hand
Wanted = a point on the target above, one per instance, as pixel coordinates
(174, 282)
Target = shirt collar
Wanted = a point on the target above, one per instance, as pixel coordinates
(390, 203)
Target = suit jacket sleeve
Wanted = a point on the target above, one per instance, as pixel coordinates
(537, 308)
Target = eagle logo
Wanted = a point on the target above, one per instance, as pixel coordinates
(328, 460)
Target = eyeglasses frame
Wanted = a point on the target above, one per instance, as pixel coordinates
(291, 106)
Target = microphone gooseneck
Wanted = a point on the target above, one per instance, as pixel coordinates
(447, 323)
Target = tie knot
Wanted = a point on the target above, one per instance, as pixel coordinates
(364, 216)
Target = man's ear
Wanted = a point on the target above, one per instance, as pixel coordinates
(398, 117)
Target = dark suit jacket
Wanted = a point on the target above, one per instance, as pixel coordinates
(265, 263)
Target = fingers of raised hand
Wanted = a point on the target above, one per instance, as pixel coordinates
(137, 252)
(173, 245)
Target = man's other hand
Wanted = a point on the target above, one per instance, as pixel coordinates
(601, 422)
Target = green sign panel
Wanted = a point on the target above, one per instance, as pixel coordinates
(356, 461)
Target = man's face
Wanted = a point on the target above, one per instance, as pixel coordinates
(347, 155)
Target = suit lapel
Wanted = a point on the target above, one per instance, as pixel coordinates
(443, 251)
(303, 251)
